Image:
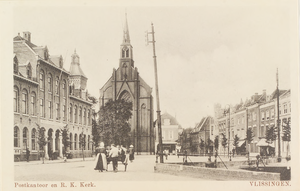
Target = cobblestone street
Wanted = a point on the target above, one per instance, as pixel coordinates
(141, 169)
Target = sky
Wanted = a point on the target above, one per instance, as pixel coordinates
(206, 54)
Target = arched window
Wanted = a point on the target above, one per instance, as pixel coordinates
(33, 139)
(88, 143)
(80, 141)
(75, 113)
(64, 109)
(25, 138)
(32, 103)
(89, 116)
(24, 101)
(57, 111)
(80, 115)
(57, 85)
(75, 141)
(127, 53)
(42, 113)
(85, 141)
(16, 99)
(42, 79)
(71, 113)
(71, 141)
(49, 82)
(16, 137)
(50, 109)
(84, 116)
(64, 87)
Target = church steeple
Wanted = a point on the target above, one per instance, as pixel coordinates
(126, 37)
(126, 56)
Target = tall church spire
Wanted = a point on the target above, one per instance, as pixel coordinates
(126, 37)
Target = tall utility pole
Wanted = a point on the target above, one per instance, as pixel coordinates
(157, 95)
(278, 121)
(225, 112)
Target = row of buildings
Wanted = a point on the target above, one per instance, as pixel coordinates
(258, 114)
(47, 95)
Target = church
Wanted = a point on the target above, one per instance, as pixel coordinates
(126, 83)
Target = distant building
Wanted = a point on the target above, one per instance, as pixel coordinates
(201, 136)
(170, 130)
(126, 83)
(43, 96)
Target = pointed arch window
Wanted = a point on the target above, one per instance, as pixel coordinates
(125, 96)
(127, 53)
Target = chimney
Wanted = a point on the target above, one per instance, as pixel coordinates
(27, 36)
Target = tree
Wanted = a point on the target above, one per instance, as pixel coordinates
(95, 133)
(82, 143)
(208, 145)
(249, 138)
(202, 144)
(41, 140)
(236, 140)
(249, 135)
(216, 143)
(224, 142)
(113, 121)
(287, 134)
(271, 134)
(65, 138)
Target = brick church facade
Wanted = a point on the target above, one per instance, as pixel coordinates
(126, 83)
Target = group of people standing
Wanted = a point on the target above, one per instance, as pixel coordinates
(113, 153)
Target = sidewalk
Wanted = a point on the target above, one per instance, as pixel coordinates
(47, 161)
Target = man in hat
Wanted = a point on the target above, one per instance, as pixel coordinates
(114, 154)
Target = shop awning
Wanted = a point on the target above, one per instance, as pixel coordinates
(240, 143)
(262, 143)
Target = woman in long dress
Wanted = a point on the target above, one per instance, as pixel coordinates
(101, 163)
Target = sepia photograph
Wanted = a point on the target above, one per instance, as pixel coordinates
(130, 96)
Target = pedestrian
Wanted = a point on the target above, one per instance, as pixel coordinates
(131, 153)
(101, 162)
(114, 154)
(27, 154)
